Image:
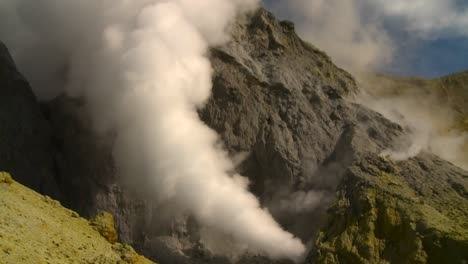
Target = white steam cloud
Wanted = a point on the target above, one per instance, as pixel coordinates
(301, 202)
(358, 33)
(364, 35)
(428, 18)
(339, 28)
(142, 67)
(430, 123)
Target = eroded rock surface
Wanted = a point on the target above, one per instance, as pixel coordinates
(406, 212)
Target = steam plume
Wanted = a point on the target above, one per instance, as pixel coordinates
(300, 202)
(428, 120)
(365, 35)
(142, 67)
(354, 42)
(360, 35)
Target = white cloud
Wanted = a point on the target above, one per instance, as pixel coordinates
(360, 34)
(427, 17)
(141, 65)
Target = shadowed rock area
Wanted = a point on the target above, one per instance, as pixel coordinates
(26, 145)
(280, 107)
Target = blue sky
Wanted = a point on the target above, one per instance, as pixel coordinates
(431, 58)
(429, 38)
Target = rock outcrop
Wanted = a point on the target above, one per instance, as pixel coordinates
(406, 212)
(105, 225)
(282, 104)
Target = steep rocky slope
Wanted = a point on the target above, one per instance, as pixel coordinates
(26, 148)
(282, 105)
(450, 91)
(37, 229)
(405, 212)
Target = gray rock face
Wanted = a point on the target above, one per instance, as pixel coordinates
(85, 170)
(283, 103)
(26, 146)
(279, 102)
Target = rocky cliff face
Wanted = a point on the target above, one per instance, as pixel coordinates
(406, 212)
(282, 104)
(26, 145)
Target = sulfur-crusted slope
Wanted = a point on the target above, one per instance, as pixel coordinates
(408, 212)
(37, 229)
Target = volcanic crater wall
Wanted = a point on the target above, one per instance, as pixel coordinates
(280, 106)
